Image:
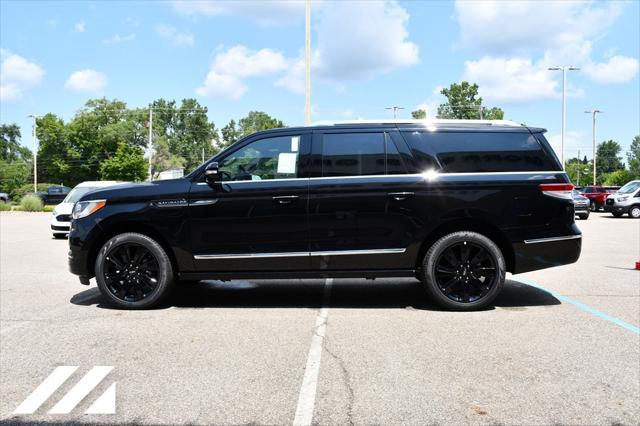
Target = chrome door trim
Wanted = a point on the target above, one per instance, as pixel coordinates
(297, 254)
(552, 239)
(206, 202)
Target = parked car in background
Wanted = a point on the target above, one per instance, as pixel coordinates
(61, 215)
(581, 205)
(597, 196)
(54, 194)
(626, 200)
(4, 197)
(455, 203)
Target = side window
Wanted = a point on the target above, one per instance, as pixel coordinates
(465, 152)
(395, 166)
(269, 158)
(353, 154)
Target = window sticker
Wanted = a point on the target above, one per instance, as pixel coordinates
(287, 162)
(295, 142)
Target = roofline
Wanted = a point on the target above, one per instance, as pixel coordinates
(425, 122)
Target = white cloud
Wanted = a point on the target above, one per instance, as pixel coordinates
(507, 27)
(510, 80)
(241, 61)
(117, 38)
(573, 140)
(294, 79)
(175, 37)
(229, 67)
(266, 12)
(79, 27)
(222, 86)
(16, 75)
(357, 42)
(87, 80)
(618, 69)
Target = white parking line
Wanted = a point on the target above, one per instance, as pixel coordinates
(307, 397)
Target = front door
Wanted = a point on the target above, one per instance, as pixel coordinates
(255, 219)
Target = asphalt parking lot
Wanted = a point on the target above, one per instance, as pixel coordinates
(329, 352)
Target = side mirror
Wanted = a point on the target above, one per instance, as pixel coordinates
(211, 173)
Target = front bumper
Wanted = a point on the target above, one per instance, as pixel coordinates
(616, 207)
(531, 255)
(59, 227)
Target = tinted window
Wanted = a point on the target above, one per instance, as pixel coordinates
(482, 151)
(270, 158)
(353, 154)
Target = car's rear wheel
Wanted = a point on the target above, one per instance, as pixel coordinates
(133, 271)
(634, 212)
(463, 271)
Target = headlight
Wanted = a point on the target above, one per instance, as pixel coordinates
(85, 208)
(621, 199)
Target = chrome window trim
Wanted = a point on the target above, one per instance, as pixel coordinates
(297, 254)
(407, 175)
(552, 239)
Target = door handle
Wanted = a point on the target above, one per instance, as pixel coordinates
(285, 199)
(400, 196)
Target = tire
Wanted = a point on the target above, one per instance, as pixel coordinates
(59, 236)
(584, 216)
(634, 212)
(434, 278)
(133, 271)
(592, 206)
(616, 214)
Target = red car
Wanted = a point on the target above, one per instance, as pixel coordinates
(597, 195)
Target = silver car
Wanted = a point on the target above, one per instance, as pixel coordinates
(626, 200)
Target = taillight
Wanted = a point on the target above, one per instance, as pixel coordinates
(557, 190)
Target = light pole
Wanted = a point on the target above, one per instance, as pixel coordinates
(593, 113)
(35, 152)
(395, 110)
(564, 70)
(307, 66)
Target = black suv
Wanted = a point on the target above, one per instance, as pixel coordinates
(454, 203)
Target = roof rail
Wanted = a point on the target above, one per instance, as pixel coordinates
(425, 122)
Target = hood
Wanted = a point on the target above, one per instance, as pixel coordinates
(143, 191)
(63, 208)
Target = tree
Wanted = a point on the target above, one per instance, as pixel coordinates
(57, 158)
(230, 134)
(419, 114)
(578, 172)
(633, 158)
(607, 157)
(463, 102)
(10, 147)
(256, 121)
(617, 178)
(128, 164)
(163, 159)
(14, 175)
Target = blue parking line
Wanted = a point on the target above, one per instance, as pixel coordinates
(582, 306)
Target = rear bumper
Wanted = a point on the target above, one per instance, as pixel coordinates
(542, 253)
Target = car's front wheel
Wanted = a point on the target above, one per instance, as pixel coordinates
(634, 212)
(584, 216)
(133, 271)
(463, 271)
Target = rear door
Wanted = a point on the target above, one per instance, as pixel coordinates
(361, 202)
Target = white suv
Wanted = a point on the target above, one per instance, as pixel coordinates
(61, 216)
(626, 200)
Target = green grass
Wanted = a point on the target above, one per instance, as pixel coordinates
(48, 208)
(4, 207)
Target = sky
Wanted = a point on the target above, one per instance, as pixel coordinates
(235, 57)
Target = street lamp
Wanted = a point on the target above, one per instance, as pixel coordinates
(395, 110)
(35, 152)
(564, 70)
(593, 112)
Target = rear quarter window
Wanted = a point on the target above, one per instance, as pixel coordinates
(472, 152)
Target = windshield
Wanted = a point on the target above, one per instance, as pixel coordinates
(77, 193)
(630, 187)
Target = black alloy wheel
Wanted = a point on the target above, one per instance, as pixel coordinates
(133, 271)
(463, 271)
